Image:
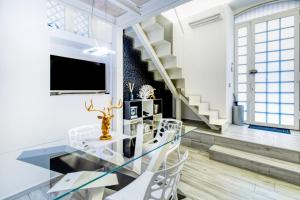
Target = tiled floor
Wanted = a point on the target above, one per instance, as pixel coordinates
(206, 179)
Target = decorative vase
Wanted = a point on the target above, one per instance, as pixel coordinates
(131, 96)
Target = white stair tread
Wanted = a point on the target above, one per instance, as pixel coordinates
(218, 122)
(257, 158)
(167, 68)
(151, 27)
(153, 43)
(147, 57)
(208, 112)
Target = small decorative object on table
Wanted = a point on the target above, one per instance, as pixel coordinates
(133, 112)
(106, 116)
(130, 87)
(146, 92)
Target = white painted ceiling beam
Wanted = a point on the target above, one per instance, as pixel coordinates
(126, 5)
(149, 9)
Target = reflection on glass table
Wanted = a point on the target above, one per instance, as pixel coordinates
(90, 165)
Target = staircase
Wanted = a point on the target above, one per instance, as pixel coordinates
(158, 32)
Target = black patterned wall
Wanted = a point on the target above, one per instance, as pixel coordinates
(135, 71)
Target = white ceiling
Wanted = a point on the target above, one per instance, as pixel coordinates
(195, 6)
(128, 12)
(125, 12)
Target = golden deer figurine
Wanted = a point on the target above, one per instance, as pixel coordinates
(106, 116)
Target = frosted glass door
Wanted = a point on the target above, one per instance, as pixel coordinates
(242, 34)
(267, 70)
(274, 82)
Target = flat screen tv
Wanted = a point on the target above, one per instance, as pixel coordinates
(74, 75)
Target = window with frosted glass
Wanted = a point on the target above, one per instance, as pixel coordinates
(242, 61)
(81, 24)
(274, 61)
(55, 14)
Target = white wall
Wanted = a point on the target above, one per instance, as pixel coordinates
(205, 54)
(29, 115)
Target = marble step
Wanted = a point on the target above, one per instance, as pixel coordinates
(256, 143)
(283, 170)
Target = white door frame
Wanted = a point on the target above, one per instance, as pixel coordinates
(251, 65)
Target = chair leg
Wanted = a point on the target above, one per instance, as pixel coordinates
(175, 197)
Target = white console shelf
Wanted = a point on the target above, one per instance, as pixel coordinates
(146, 112)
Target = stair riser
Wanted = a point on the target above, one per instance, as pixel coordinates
(194, 100)
(282, 174)
(161, 51)
(179, 83)
(151, 67)
(173, 74)
(214, 115)
(155, 36)
(203, 106)
(148, 22)
(155, 23)
(273, 152)
(169, 62)
(157, 77)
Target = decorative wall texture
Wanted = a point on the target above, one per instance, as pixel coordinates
(135, 71)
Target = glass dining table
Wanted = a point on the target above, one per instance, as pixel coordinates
(93, 169)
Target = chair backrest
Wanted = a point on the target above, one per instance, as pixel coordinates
(168, 136)
(164, 183)
(169, 125)
(78, 135)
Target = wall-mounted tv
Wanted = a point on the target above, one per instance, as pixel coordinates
(69, 75)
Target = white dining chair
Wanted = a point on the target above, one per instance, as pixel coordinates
(79, 137)
(165, 125)
(160, 185)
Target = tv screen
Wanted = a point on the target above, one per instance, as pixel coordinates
(68, 74)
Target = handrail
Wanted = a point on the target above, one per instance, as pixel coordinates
(179, 21)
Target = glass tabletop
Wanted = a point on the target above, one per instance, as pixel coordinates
(88, 164)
